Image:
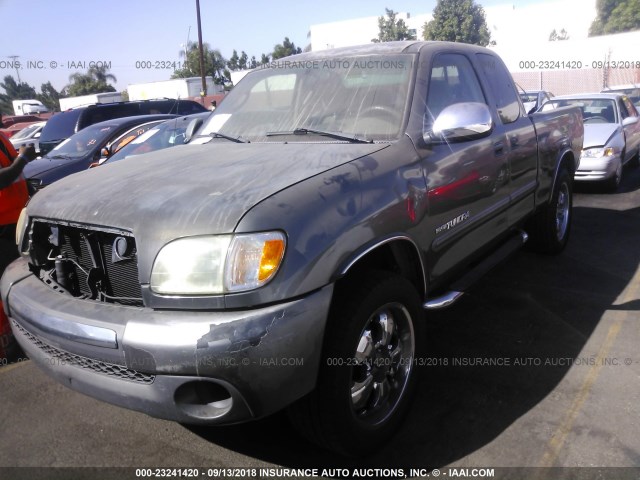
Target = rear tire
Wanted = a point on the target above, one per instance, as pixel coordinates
(367, 375)
(550, 227)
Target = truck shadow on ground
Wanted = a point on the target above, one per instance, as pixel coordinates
(533, 315)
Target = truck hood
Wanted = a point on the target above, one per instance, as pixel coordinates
(599, 134)
(186, 190)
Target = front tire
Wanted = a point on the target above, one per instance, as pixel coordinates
(367, 375)
(613, 183)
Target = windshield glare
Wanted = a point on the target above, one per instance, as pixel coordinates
(26, 131)
(363, 97)
(167, 134)
(83, 142)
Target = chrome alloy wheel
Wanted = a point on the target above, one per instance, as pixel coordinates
(383, 363)
(563, 210)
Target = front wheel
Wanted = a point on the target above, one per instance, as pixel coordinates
(367, 374)
(550, 227)
(613, 183)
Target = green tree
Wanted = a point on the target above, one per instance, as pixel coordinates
(14, 91)
(49, 96)
(390, 29)
(285, 49)
(238, 62)
(458, 21)
(615, 16)
(232, 64)
(554, 36)
(96, 80)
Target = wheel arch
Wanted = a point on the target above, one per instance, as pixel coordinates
(565, 158)
(396, 253)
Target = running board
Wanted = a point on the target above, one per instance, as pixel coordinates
(463, 284)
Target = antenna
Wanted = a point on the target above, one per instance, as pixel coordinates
(14, 57)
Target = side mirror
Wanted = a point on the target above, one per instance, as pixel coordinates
(629, 121)
(37, 135)
(105, 152)
(460, 122)
(192, 128)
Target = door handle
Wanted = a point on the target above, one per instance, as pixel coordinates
(498, 148)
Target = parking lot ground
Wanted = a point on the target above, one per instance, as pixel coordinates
(537, 366)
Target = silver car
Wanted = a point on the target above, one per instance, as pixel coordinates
(611, 135)
(28, 135)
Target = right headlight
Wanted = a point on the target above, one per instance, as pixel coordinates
(217, 264)
(598, 152)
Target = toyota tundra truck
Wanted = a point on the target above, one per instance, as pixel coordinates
(289, 255)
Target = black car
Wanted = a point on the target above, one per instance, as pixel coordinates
(79, 151)
(164, 135)
(62, 125)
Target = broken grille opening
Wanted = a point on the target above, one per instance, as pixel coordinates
(87, 263)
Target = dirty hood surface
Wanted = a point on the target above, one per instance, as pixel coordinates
(187, 190)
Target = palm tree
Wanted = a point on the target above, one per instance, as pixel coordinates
(94, 81)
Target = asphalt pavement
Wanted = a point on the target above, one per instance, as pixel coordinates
(538, 366)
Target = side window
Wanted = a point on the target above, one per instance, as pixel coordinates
(501, 85)
(623, 109)
(630, 107)
(452, 80)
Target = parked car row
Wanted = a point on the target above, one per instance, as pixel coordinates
(88, 136)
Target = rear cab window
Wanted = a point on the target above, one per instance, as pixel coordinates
(502, 88)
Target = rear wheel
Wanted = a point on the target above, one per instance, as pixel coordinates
(367, 374)
(550, 227)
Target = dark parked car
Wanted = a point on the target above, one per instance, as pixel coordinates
(164, 135)
(62, 125)
(222, 281)
(79, 151)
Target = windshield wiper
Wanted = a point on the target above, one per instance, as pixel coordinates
(63, 156)
(337, 136)
(228, 137)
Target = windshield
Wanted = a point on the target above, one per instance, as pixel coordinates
(361, 97)
(166, 134)
(26, 132)
(594, 110)
(83, 142)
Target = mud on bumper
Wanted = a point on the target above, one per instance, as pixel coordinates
(188, 366)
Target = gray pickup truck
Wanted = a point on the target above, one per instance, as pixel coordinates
(289, 255)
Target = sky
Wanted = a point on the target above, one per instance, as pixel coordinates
(54, 39)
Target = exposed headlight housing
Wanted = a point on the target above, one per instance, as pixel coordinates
(217, 264)
(598, 152)
(21, 229)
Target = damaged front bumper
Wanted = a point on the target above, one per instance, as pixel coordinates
(189, 366)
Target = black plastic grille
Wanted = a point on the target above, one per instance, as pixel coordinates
(66, 358)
